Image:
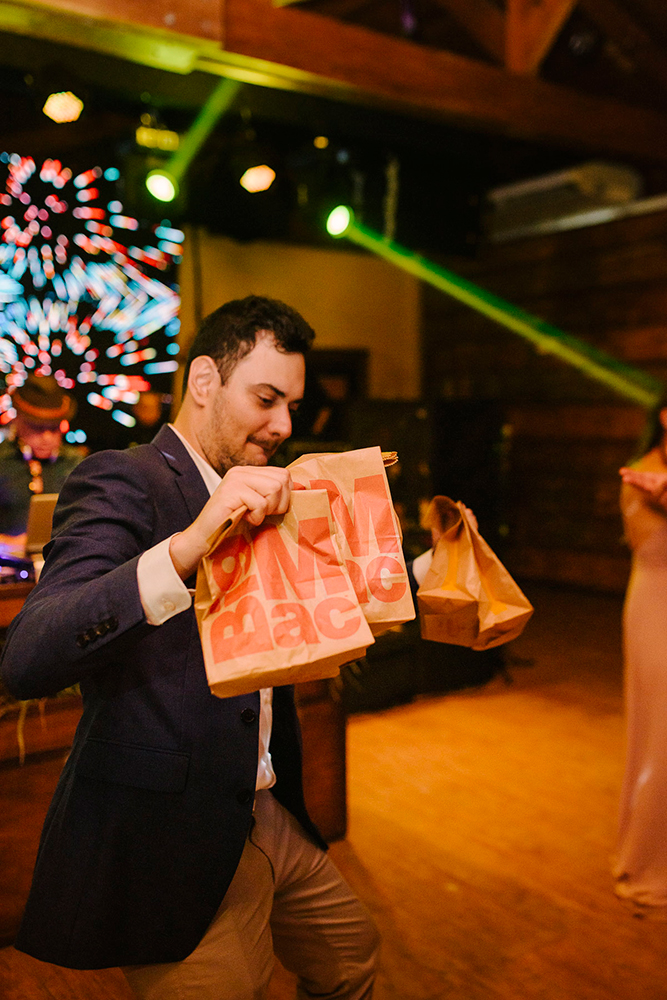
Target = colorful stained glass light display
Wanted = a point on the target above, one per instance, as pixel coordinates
(86, 291)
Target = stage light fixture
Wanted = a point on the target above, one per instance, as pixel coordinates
(63, 107)
(162, 185)
(259, 178)
(340, 220)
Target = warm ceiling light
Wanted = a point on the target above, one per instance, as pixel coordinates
(320, 142)
(258, 178)
(63, 107)
(157, 138)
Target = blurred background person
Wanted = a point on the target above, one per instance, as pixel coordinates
(33, 458)
(150, 413)
(640, 867)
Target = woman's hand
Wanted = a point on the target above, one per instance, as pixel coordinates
(654, 484)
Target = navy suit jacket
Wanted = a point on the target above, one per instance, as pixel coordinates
(153, 807)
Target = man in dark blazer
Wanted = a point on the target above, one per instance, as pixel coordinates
(178, 845)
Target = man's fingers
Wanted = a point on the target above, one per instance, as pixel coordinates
(264, 496)
(263, 480)
(284, 498)
(248, 485)
(258, 508)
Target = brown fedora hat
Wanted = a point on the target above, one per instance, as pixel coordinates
(40, 400)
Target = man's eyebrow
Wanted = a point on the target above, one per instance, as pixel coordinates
(267, 387)
(271, 388)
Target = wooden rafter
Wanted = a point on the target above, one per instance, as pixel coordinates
(531, 29)
(622, 28)
(483, 22)
(169, 20)
(308, 51)
(292, 48)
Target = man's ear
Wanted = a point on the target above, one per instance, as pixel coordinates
(203, 378)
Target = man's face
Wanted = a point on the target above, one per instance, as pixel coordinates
(251, 415)
(44, 440)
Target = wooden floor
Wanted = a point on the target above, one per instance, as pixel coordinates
(481, 829)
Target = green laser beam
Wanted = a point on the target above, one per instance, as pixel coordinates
(627, 381)
(216, 104)
(218, 101)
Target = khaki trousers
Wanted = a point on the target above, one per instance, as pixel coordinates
(287, 899)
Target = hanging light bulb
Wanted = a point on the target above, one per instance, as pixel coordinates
(63, 107)
(258, 178)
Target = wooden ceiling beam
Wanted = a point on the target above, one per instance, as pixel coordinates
(196, 18)
(482, 21)
(291, 48)
(300, 49)
(634, 41)
(531, 29)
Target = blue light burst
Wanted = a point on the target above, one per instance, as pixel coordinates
(85, 289)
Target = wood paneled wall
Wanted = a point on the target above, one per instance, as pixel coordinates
(565, 435)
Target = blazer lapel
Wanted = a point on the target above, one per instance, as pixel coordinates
(188, 479)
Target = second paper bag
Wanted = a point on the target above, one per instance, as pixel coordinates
(275, 604)
(467, 597)
(368, 531)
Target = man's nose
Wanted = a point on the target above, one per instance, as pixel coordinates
(281, 422)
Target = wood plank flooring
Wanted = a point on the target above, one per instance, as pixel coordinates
(481, 826)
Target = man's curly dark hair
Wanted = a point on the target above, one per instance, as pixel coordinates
(230, 333)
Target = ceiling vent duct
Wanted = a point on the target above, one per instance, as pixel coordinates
(561, 200)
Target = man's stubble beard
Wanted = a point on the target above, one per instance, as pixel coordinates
(223, 463)
(221, 459)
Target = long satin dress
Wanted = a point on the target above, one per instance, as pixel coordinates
(640, 868)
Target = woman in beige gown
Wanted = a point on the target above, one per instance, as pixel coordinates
(640, 868)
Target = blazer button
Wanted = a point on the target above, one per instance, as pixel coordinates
(248, 715)
(244, 797)
(112, 623)
(101, 629)
(81, 641)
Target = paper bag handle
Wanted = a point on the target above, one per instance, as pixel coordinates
(223, 530)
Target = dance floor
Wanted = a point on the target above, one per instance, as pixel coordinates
(481, 825)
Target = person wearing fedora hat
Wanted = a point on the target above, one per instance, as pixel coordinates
(34, 459)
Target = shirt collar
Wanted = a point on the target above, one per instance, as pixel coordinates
(211, 478)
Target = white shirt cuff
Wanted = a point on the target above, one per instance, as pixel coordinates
(163, 594)
(421, 565)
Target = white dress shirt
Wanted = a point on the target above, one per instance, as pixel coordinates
(163, 595)
(421, 565)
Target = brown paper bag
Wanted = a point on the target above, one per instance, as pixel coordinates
(368, 531)
(275, 604)
(467, 597)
